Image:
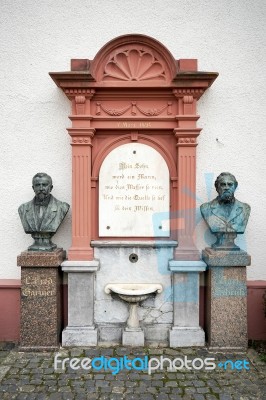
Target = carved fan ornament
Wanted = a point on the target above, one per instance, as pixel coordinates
(134, 65)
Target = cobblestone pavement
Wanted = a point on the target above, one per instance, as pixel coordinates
(27, 376)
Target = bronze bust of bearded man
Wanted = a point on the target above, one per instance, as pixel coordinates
(42, 216)
(225, 215)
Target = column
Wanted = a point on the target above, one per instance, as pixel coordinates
(82, 134)
(80, 330)
(186, 330)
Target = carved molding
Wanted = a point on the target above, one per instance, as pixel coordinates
(75, 92)
(150, 112)
(80, 99)
(186, 140)
(134, 65)
(111, 111)
(81, 136)
(154, 111)
(188, 99)
(183, 92)
(81, 140)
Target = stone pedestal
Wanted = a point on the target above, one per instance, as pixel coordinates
(186, 331)
(226, 302)
(41, 281)
(80, 330)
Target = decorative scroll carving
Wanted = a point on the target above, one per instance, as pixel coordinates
(80, 104)
(134, 65)
(134, 107)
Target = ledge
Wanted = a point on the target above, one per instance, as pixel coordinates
(134, 243)
(187, 266)
(80, 266)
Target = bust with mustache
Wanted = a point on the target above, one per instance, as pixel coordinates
(42, 216)
(225, 215)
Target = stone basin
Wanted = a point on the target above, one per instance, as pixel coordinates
(133, 293)
(133, 289)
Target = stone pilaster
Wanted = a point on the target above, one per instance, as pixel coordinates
(80, 330)
(81, 194)
(186, 197)
(186, 330)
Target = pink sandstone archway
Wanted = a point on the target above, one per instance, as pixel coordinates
(133, 91)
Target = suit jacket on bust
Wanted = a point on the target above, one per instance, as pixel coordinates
(53, 215)
(235, 222)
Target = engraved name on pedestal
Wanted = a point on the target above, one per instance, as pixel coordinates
(38, 287)
(133, 192)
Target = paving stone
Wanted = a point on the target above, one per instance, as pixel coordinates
(102, 383)
(225, 397)
(152, 390)
(107, 352)
(190, 390)
(122, 351)
(177, 390)
(157, 383)
(198, 397)
(147, 397)
(171, 383)
(22, 396)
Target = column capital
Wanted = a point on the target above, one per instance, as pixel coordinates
(187, 137)
(81, 136)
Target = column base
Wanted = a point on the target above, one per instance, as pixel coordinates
(79, 336)
(80, 254)
(186, 337)
(134, 338)
(181, 254)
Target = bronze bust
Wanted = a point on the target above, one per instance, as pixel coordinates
(225, 215)
(42, 216)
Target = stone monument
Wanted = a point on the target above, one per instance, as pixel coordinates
(226, 276)
(133, 138)
(40, 273)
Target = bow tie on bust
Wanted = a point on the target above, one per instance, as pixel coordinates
(44, 203)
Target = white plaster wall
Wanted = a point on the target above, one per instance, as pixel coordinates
(38, 37)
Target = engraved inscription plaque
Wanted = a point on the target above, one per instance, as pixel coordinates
(134, 193)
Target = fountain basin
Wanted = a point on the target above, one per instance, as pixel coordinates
(133, 293)
(133, 289)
